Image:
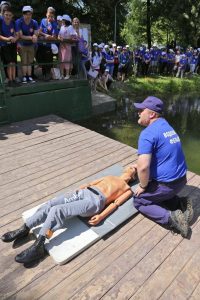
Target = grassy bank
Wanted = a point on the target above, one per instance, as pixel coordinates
(122, 126)
(162, 87)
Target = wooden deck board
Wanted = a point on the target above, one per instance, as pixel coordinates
(140, 260)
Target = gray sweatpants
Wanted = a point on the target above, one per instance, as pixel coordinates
(54, 213)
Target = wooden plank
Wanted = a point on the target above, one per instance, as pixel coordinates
(52, 168)
(186, 281)
(135, 278)
(77, 282)
(42, 147)
(28, 136)
(16, 129)
(90, 273)
(27, 144)
(99, 286)
(103, 281)
(46, 181)
(138, 273)
(20, 281)
(40, 194)
(38, 158)
(163, 277)
(196, 293)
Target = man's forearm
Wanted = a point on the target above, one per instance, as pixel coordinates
(143, 176)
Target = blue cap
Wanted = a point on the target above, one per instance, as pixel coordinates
(151, 103)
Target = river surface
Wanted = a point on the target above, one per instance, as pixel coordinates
(183, 113)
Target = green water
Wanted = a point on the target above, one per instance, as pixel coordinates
(183, 114)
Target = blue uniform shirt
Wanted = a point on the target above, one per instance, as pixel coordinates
(160, 140)
(50, 28)
(27, 30)
(109, 56)
(123, 58)
(7, 30)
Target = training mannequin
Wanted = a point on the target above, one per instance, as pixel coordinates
(96, 199)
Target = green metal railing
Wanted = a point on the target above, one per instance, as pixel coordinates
(56, 63)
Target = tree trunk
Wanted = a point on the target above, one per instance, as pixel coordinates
(148, 23)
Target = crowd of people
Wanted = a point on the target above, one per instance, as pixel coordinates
(39, 42)
(61, 36)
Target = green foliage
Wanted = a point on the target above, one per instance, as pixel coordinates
(162, 87)
(170, 20)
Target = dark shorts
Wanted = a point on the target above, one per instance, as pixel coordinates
(9, 53)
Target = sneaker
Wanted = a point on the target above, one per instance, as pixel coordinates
(187, 208)
(177, 221)
(16, 83)
(67, 77)
(30, 79)
(10, 83)
(24, 80)
(17, 80)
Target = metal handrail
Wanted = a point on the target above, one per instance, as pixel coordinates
(55, 62)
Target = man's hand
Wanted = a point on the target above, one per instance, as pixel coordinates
(139, 191)
(95, 220)
(12, 39)
(34, 38)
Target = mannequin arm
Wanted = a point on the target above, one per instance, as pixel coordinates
(110, 208)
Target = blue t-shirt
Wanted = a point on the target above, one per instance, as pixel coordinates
(183, 63)
(50, 28)
(27, 30)
(109, 56)
(160, 140)
(6, 30)
(194, 60)
(84, 52)
(155, 55)
(123, 58)
(171, 58)
(147, 56)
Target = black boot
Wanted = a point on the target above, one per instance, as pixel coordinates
(34, 252)
(18, 233)
(177, 221)
(187, 208)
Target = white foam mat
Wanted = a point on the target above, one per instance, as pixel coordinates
(76, 236)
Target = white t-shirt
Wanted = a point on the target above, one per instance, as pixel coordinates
(64, 32)
(73, 31)
(96, 60)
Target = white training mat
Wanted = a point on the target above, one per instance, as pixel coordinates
(77, 235)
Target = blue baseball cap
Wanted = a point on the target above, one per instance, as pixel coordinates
(152, 103)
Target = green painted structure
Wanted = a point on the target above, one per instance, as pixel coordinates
(68, 99)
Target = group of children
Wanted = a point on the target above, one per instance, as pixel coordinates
(37, 41)
(63, 37)
(172, 62)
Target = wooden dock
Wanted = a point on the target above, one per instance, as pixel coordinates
(140, 260)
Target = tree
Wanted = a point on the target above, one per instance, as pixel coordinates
(166, 20)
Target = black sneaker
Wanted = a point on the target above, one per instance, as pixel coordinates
(187, 208)
(31, 80)
(33, 253)
(13, 235)
(177, 221)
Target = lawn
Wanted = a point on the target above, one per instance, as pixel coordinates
(162, 87)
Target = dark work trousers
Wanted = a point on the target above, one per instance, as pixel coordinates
(151, 202)
(45, 55)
